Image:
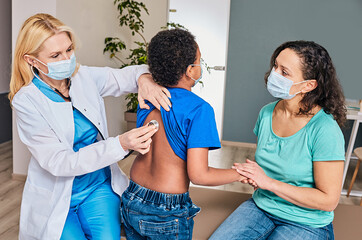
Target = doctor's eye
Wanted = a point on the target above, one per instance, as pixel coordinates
(55, 55)
(69, 49)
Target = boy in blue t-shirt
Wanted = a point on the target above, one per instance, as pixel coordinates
(157, 203)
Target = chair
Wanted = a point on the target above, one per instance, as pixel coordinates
(358, 153)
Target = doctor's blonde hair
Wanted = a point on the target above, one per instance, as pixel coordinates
(35, 30)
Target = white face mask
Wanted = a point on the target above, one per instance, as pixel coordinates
(279, 86)
(196, 80)
(60, 70)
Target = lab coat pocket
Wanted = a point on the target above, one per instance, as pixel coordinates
(37, 207)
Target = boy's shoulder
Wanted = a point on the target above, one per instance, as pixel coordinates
(182, 96)
(188, 102)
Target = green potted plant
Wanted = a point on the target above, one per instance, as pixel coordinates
(129, 16)
(130, 116)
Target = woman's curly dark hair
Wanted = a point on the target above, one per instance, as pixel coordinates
(318, 65)
(170, 52)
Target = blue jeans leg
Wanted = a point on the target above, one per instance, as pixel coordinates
(246, 222)
(250, 222)
(286, 230)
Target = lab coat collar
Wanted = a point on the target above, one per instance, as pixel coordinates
(59, 113)
(55, 113)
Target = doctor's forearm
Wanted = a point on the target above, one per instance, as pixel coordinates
(64, 162)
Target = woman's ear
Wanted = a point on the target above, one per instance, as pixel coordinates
(310, 86)
(29, 60)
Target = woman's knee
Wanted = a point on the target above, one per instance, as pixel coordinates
(246, 222)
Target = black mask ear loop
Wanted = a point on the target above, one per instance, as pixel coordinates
(32, 67)
(32, 70)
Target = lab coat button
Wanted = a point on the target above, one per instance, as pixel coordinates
(99, 123)
(85, 110)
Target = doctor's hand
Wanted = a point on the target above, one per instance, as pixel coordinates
(138, 139)
(154, 93)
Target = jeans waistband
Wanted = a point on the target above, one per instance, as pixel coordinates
(157, 197)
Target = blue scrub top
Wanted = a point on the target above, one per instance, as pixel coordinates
(85, 134)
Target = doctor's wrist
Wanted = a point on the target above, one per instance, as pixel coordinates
(121, 141)
(144, 77)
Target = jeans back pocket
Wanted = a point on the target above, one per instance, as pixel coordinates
(159, 228)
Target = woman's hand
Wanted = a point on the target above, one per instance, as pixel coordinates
(244, 179)
(250, 182)
(255, 174)
(154, 93)
(138, 139)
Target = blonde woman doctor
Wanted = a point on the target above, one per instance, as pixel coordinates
(74, 183)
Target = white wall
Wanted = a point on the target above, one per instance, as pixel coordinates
(212, 23)
(21, 10)
(92, 21)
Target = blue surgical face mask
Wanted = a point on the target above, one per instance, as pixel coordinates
(279, 86)
(60, 70)
(196, 80)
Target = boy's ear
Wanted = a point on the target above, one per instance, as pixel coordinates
(189, 70)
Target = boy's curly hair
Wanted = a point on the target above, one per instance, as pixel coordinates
(170, 52)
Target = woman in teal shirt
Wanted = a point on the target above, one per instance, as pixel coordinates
(300, 151)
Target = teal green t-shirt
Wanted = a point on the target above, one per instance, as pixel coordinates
(290, 160)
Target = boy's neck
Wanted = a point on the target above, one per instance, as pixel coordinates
(183, 83)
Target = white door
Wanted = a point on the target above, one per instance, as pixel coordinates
(208, 21)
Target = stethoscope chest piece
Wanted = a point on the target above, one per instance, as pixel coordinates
(153, 122)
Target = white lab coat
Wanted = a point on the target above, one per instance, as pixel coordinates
(47, 128)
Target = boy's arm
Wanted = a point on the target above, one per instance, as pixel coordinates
(201, 174)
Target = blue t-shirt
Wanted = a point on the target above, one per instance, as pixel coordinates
(85, 133)
(189, 124)
(290, 160)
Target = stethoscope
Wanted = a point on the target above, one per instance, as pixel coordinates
(53, 88)
(152, 122)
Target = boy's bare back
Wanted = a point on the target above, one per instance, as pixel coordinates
(160, 169)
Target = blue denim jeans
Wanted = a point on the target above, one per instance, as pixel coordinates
(250, 222)
(148, 214)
